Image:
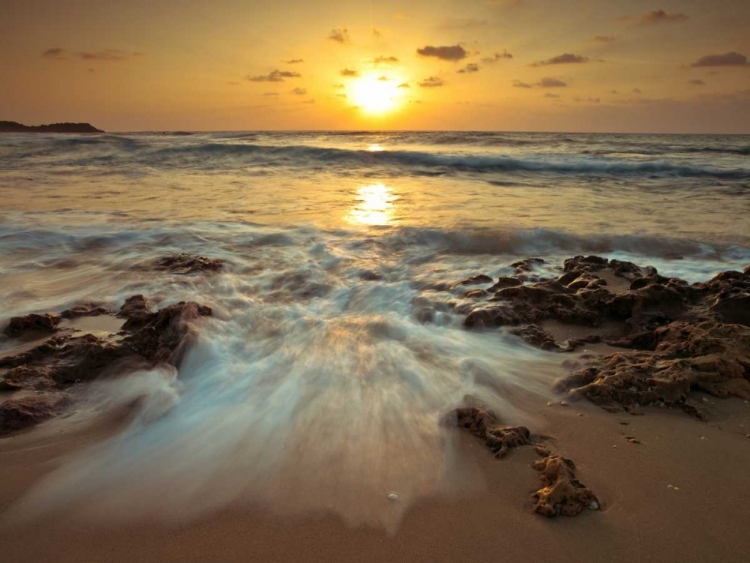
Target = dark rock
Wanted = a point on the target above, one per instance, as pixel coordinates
(585, 264)
(562, 494)
(188, 264)
(733, 309)
(475, 294)
(17, 414)
(534, 335)
(32, 323)
(15, 127)
(474, 280)
(527, 265)
(484, 425)
(137, 311)
(504, 282)
(86, 310)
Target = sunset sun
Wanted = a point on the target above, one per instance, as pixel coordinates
(375, 94)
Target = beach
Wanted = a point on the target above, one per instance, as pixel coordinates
(314, 346)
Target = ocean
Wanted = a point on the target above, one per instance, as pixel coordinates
(337, 340)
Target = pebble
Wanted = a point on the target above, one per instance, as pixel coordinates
(703, 437)
(580, 414)
(393, 496)
(673, 487)
(704, 399)
(594, 505)
(563, 403)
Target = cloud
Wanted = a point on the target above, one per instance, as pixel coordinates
(497, 57)
(605, 38)
(587, 100)
(614, 92)
(349, 72)
(376, 32)
(660, 16)
(383, 78)
(59, 54)
(339, 35)
(293, 61)
(401, 16)
(268, 94)
(471, 67)
(565, 58)
(299, 91)
(553, 96)
(404, 85)
(696, 82)
(55, 54)
(106, 55)
(445, 52)
(726, 59)
(384, 60)
(519, 84)
(462, 23)
(637, 91)
(274, 76)
(551, 83)
(431, 82)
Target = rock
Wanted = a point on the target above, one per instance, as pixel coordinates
(475, 294)
(86, 310)
(485, 426)
(188, 264)
(474, 280)
(32, 323)
(17, 414)
(137, 311)
(561, 494)
(733, 309)
(147, 340)
(527, 265)
(532, 334)
(504, 282)
(585, 264)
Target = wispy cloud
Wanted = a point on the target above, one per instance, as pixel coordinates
(444, 52)
(382, 59)
(107, 55)
(270, 94)
(462, 23)
(497, 57)
(551, 83)
(339, 35)
(432, 82)
(293, 61)
(404, 85)
(726, 59)
(696, 82)
(519, 84)
(471, 67)
(299, 91)
(655, 17)
(605, 38)
(55, 54)
(274, 76)
(349, 72)
(111, 55)
(564, 59)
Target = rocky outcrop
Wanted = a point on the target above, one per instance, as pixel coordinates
(188, 264)
(147, 339)
(15, 127)
(561, 494)
(677, 338)
(20, 326)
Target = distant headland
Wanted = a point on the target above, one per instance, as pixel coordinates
(13, 127)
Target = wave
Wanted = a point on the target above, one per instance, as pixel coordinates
(302, 155)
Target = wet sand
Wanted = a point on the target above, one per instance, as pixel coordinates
(681, 494)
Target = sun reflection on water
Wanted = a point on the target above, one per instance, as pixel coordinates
(374, 205)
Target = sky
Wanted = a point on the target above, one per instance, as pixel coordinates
(515, 65)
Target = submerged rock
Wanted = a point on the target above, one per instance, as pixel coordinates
(189, 263)
(17, 414)
(32, 323)
(147, 339)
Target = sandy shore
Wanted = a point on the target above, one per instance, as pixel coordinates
(681, 494)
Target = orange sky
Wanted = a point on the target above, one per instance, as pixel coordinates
(665, 66)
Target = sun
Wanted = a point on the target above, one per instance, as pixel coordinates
(376, 94)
